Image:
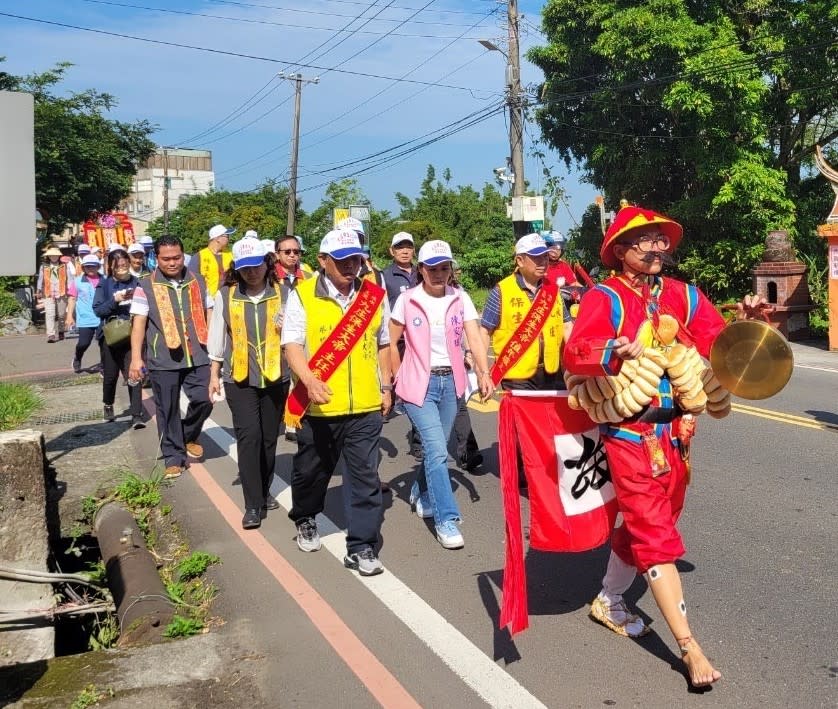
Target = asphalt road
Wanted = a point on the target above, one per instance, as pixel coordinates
(760, 577)
(760, 526)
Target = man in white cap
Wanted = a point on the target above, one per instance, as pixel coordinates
(136, 254)
(368, 270)
(213, 261)
(399, 276)
(53, 277)
(510, 303)
(341, 396)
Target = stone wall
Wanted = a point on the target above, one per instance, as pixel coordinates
(25, 545)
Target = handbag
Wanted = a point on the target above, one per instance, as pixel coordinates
(116, 330)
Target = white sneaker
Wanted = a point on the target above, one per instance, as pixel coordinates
(422, 506)
(449, 535)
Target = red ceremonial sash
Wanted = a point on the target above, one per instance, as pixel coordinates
(336, 347)
(527, 331)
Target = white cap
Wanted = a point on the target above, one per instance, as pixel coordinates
(351, 223)
(116, 247)
(341, 244)
(146, 240)
(220, 230)
(269, 244)
(434, 252)
(248, 252)
(251, 232)
(82, 249)
(300, 242)
(90, 260)
(136, 248)
(400, 237)
(531, 244)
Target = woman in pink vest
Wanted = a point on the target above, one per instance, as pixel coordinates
(430, 380)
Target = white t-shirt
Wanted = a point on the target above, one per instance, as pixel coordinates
(436, 309)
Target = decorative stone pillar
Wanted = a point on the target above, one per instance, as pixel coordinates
(781, 279)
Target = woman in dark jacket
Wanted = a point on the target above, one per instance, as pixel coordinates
(113, 300)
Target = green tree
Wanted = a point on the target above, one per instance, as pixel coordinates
(83, 161)
(707, 111)
(263, 209)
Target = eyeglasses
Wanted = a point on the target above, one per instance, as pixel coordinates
(288, 252)
(647, 244)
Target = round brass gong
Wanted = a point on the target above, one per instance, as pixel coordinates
(752, 359)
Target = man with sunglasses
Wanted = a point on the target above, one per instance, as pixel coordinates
(618, 319)
(289, 271)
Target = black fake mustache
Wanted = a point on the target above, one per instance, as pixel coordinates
(665, 258)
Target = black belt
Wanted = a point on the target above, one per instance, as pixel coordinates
(442, 371)
(656, 414)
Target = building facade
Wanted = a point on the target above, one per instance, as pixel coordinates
(167, 176)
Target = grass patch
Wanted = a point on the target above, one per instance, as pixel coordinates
(17, 403)
(182, 627)
(195, 565)
(90, 696)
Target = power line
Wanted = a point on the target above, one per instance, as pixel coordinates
(338, 14)
(210, 50)
(251, 21)
(230, 117)
(483, 18)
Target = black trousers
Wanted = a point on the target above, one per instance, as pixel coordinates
(257, 414)
(463, 444)
(173, 430)
(86, 335)
(116, 359)
(321, 441)
(540, 381)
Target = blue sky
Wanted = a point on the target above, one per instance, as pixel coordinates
(199, 99)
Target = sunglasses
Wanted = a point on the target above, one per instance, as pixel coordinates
(288, 252)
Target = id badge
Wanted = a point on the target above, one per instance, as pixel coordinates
(654, 453)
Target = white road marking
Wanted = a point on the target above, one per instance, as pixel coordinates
(495, 686)
(819, 369)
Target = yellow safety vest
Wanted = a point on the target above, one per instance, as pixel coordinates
(208, 266)
(355, 385)
(514, 306)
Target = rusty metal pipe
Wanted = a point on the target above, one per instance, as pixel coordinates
(142, 604)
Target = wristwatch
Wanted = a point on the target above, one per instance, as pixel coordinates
(386, 387)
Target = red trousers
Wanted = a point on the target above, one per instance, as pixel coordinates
(650, 505)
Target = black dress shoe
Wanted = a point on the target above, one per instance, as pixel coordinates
(270, 503)
(251, 520)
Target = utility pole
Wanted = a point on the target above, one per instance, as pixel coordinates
(298, 80)
(516, 111)
(166, 190)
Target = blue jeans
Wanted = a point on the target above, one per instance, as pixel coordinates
(434, 421)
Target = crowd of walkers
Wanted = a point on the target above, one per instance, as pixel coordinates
(329, 355)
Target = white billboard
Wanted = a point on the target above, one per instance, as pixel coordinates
(17, 184)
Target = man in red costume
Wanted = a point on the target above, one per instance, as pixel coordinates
(611, 327)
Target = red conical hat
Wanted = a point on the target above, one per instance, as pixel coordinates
(629, 218)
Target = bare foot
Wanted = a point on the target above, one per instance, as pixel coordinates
(702, 673)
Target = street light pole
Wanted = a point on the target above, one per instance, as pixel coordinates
(165, 190)
(516, 111)
(514, 99)
(298, 80)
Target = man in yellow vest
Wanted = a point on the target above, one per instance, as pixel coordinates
(212, 261)
(509, 314)
(336, 341)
